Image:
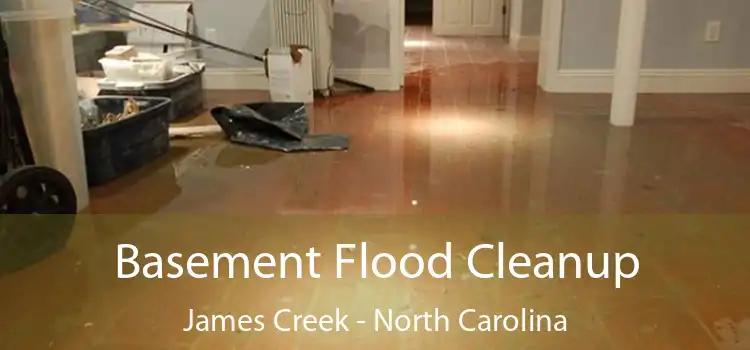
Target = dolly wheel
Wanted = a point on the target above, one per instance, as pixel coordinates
(37, 190)
(27, 239)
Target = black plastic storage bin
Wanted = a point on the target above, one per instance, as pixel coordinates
(117, 148)
(185, 91)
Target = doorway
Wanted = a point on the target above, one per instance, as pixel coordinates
(443, 18)
(418, 12)
(458, 17)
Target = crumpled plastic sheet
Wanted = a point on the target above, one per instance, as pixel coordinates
(281, 126)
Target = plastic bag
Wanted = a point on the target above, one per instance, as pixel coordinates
(89, 112)
(280, 126)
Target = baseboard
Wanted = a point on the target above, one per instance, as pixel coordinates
(378, 78)
(255, 78)
(700, 81)
(524, 42)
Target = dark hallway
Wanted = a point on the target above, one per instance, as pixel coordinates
(418, 12)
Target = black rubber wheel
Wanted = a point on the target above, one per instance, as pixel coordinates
(37, 190)
(38, 207)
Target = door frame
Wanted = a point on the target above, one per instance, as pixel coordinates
(397, 21)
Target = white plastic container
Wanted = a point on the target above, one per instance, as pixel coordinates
(40, 44)
(138, 70)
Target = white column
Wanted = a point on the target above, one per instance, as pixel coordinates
(628, 62)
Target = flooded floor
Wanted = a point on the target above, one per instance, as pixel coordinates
(471, 153)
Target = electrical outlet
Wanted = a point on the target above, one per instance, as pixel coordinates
(210, 34)
(713, 31)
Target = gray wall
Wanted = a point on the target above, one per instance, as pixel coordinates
(531, 21)
(361, 36)
(674, 34)
(239, 24)
(88, 49)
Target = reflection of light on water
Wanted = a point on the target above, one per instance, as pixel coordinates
(479, 126)
(416, 43)
(191, 160)
(453, 126)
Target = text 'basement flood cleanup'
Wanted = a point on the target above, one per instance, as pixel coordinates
(617, 266)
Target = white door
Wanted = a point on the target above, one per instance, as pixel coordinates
(468, 17)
